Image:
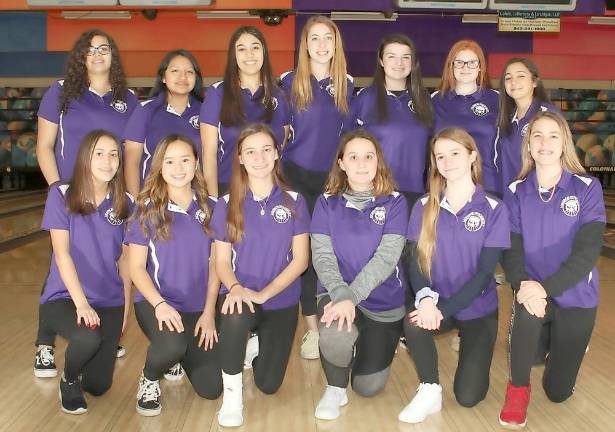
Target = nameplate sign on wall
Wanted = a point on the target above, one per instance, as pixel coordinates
(528, 21)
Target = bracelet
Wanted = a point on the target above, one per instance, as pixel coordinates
(159, 303)
(234, 285)
(426, 292)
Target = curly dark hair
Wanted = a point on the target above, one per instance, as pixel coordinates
(76, 75)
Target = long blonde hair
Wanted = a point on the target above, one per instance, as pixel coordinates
(337, 182)
(153, 199)
(426, 245)
(301, 92)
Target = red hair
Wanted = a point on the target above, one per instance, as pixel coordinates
(448, 73)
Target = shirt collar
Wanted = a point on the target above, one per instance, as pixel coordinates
(171, 206)
(529, 114)
(563, 182)
(274, 192)
(96, 93)
(478, 194)
(477, 95)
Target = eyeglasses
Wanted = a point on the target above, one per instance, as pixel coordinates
(103, 49)
(472, 64)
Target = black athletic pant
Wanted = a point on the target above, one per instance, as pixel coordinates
(168, 348)
(90, 353)
(276, 332)
(366, 352)
(475, 353)
(310, 185)
(570, 330)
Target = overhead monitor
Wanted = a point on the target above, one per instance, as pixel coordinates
(442, 4)
(66, 3)
(166, 2)
(533, 5)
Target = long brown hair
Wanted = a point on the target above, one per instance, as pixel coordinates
(414, 83)
(153, 199)
(448, 73)
(80, 197)
(232, 111)
(301, 92)
(337, 182)
(76, 75)
(239, 186)
(426, 245)
(569, 159)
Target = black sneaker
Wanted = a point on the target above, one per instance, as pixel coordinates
(121, 351)
(44, 363)
(71, 397)
(148, 397)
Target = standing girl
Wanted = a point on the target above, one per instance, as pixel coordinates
(247, 94)
(84, 297)
(557, 218)
(358, 233)
(171, 264)
(522, 95)
(261, 250)
(464, 100)
(173, 108)
(319, 91)
(397, 110)
(457, 234)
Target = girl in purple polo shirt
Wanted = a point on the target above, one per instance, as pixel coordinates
(170, 264)
(522, 95)
(173, 108)
(261, 250)
(457, 234)
(319, 91)
(464, 100)
(397, 110)
(358, 233)
(248, 94)
(557, 220)
(85, 297)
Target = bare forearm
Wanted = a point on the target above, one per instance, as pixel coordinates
(69, 276)
(47, 162)
(293, 270)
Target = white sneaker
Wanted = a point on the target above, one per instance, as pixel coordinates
(428, 400)
(332, 400)
(148, 397)
(175, 373)
(309, 345)
(251, 351)
(455, 342)
(231, 411)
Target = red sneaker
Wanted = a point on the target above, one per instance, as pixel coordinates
(514, 411)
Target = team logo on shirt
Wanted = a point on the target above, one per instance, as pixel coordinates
(200, 216)
(480, 109)
(274, 102)
(411, 106)
(194, 121)
(378, 215)
(120, 106)
(474, 221)
(112, 217)
(570, 206)
(524, 129)
(330, 89)
(280, 214)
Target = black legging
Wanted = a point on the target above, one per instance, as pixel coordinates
(90, 353)
(310, 185)
(475, 353)
(276, 332)
(570, 331)
(168, 348)
(366, 352)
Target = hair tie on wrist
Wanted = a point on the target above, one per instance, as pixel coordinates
(159, 303)
(234, 285)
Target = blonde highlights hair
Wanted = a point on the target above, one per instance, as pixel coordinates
(337, 182)
(448, 73)
(569, 159)
(301, 92)
(426, 244)
(153, 199)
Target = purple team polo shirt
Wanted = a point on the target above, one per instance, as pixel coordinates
(95, 245)
(253, 108)
(548, 229)
(179, 266)
(356, 234)
(482, 222)
(154, 119)
(315, 132)
(477, 114)
(404, 139)
(510, 145)
(266, 247)
(90, 111)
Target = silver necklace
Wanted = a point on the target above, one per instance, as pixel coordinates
(263, 206)
(550, 196)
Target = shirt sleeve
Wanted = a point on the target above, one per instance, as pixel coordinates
(212, 104)
(49, 109)
(301, 223)
(416, 219)
(136, 126)
(511, 200)
(592, 204)
(218, 221)
(498, 228)
(397, 219)
(320, 217)
(134, 232)
(55, 215)
(283, 110)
